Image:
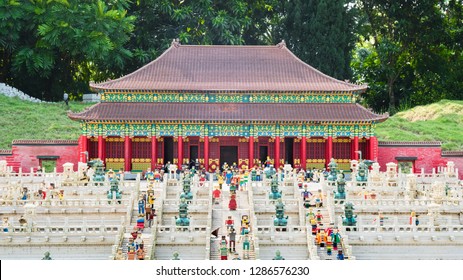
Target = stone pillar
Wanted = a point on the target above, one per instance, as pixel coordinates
(251, 152)
(277, 152)
(154, 152)
(329, 150)
(127, 153)
(303, 153)
(356, 148)
(101, 148)
(180, 152)
(206, 153)
(373, 147)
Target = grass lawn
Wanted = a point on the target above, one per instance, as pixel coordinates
(27, 120)
(440, 121)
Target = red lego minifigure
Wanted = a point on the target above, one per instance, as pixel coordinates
(232, 204)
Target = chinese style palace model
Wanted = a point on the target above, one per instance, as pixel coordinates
(233, 104)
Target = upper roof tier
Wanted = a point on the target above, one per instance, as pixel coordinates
(273, 112)
(228, 68)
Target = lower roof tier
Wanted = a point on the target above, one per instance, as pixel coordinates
(121, 111)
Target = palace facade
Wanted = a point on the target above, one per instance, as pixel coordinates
(234, 104)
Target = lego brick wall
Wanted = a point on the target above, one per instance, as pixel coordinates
(427, 157)
(26, 156)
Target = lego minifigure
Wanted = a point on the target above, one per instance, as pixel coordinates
(223, 250)
(246, 246)
(141, 221)
(119, 255)
(216, 195)
(232, 237)
(141, 205)
(232, 204)
(319, 217)
(131, 253)
(340, 255)
(6, 224)
(229, 222)
(140, 253)
(329, 245)
(335, 238)
(319, 199)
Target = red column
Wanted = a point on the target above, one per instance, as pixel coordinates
(154, 152)
(303, 152)
(356, 148)
(329, 150)
(83, 149)
(127, 154)
(251, 152)
(206, 153)
(277, 152)
(101, 147)
(180, 152)
(373, 148)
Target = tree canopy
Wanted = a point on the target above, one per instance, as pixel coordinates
(408, 52)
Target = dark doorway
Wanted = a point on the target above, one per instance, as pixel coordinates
(193, 153)
(263, 153)
(193, 156)
(289, 144)
(228, 154)
(168, 149)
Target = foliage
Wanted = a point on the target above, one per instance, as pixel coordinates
(27, 120)
(319, 32)
(407, 51)
(56, 46)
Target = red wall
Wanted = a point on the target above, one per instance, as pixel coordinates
(25, 156)
(427, 157)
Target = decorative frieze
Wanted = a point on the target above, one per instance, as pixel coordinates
(228, 97)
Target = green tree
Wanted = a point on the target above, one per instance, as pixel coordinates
(203, 22)
(60, 45)
(402, 52)
(320, 32)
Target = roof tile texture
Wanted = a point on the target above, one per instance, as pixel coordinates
(227, 112)
(230, 68)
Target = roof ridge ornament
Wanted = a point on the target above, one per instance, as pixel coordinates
(282, 44)
(175, 43)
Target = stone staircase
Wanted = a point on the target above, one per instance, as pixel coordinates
(220, 213)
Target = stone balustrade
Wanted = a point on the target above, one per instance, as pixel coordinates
(294, 235)
(268, 206)
(405, 234)
(402, 205)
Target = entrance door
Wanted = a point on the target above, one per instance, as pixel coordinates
(289, 144)
(193, 156)
(228, 154)
(168, 149)
(263, 153)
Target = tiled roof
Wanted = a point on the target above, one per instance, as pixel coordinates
(452, 153)
(5, 152)
(410, 143)
(139, 111)
(44, 142)
(228, 68)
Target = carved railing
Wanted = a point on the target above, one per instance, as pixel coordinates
(253, 221)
